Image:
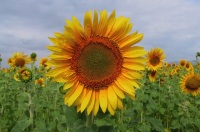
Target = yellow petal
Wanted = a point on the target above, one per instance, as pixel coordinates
(57, 70)
(112, 97)
(131, 74)
(61, 56)
(95, 23)
(118, 91)
(135, 59)
(88, 23)
(96, 105)
(132, 81)
(103, 99)
(86, 100)
(55, 49)
(80, 99)
(134, 53)
(119, 28)
(78, 108)
(130, 41)
(111, 21)
(53, 40)
(125, 85)
(78, 26)
(91, 103)
(119, 104)
(135, 66)
(124, 33)
(75, 95)
(70, 92)
(132, 96)
(69, 84)
(102, 23)
(110, 109)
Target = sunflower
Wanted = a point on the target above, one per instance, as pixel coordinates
(153, 76)
(188, 66)
(19, 59)
(25, 75)
(43, 62)
(155, 58)
(182, 62)
(165, 64)
(40, 81)
(98, 61)
(190, 83)
(16, 77)
(9, 61)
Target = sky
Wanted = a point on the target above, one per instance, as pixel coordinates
(25, 25)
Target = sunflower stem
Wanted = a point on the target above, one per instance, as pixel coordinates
(89, 119)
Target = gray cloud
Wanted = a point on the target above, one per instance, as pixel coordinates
(173, 26)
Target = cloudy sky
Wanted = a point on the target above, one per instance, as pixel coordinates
(172, 25)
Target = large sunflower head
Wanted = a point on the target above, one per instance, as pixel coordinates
(98, 61)
(155, 58)
(19, 59)
(190, 84)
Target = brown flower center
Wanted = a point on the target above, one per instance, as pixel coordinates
(155, 60)
(182, 63)
(20, 62)
(193, 83)
(153, 73)
(97, 63)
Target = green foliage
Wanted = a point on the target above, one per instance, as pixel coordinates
(158, 106)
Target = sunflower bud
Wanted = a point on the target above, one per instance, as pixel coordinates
(33, 56)
(0, 59)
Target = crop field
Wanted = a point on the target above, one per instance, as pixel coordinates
(166, 101)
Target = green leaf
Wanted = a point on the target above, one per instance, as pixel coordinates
(40, 127)
(22, 124)
(175, 124)
(157, 124)
(144, 127)
(107, 129)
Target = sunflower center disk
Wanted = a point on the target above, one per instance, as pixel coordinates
(154, 61)
(98, 64)
(20, 62)
(193, 83)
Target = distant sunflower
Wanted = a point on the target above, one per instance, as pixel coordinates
(25, 75)
(188, 66)
(40, 81)
(19, 59)
(153, 76)
(165, 64)
(155, 58)
(43, 62)
(98, 61)
(16, 77)
(190, 83)
(182, 62)
(9, 61)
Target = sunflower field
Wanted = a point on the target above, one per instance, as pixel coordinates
(97, 80)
